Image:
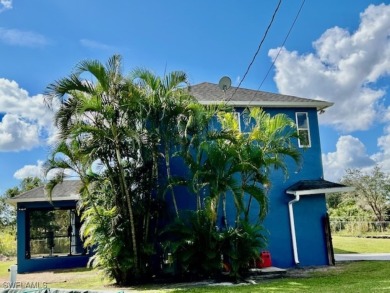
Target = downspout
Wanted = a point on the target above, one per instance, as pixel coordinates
(292, 227)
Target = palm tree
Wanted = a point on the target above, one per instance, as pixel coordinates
(68, 156)
(268, 142)
(210, 154)
(228, 161)
(102, 113)
(166, 100)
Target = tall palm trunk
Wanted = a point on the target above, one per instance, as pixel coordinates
(125, 190)
(168, 168)
(224, 210)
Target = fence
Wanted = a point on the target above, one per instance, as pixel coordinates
(357, 227)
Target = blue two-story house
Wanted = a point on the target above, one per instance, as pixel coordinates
(296, 226)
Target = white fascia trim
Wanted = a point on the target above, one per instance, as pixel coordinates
(321, 190)
(320, 105)
(23, 200)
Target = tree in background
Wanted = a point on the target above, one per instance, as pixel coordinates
(372, 191)
(7, 211)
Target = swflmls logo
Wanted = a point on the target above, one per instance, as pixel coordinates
(35, 285)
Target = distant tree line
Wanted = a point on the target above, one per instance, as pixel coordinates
(7, 211)
(370, 199)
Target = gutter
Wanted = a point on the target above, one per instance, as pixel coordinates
(292, 227)
(298, 194)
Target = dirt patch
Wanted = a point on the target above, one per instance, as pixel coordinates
(6, 258)
(55, 276)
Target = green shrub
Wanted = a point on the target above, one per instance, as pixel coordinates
(7, 243)
(200, 249)
(195, 245)
(241, 247)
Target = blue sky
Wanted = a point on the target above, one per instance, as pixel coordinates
(338, 51)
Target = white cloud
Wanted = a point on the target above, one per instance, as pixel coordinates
(17, 37)
(343, 69)
(382, 157)
(95, 45)
(38, 171)
(5, 5)
(67, 173)
(30, 171)
(350, 153)
(16, 134)
(26, 121)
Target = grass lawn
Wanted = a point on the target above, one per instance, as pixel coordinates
(345, 244)
(78, 278)
(347, 277)
(4, 266)
(364, 276)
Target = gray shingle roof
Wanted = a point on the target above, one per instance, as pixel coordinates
(209, 93)
(67, 190)
(307, 187)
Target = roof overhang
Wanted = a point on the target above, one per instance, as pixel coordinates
(14, 201)
(320, 105)
(68, 190)
(313, 187)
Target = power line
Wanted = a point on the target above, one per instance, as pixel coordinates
(258, 49)
(281, 47)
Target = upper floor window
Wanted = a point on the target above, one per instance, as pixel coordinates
(237, 115)
(303, 128)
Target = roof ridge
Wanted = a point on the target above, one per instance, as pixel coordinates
(210, 93)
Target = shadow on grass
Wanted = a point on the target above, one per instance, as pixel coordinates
(75, 270)
(340, 251)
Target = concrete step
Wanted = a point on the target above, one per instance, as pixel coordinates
(268, 272)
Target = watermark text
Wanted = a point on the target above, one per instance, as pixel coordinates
(19, 284)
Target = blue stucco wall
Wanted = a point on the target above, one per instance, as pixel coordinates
(308, 212)
(47, 263)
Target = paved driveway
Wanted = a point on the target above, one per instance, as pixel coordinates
(362, 256)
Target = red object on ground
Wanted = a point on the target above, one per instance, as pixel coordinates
(264, 260)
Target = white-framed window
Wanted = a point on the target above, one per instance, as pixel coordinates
(237, 115)
(303, 128)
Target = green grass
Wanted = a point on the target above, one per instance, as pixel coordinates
(348, 277)
(4, 266)
(80, 278)
(360, 245)
(364, 276)
(353, 277)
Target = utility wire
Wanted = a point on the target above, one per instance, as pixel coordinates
(257, 51)
(280, 49)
